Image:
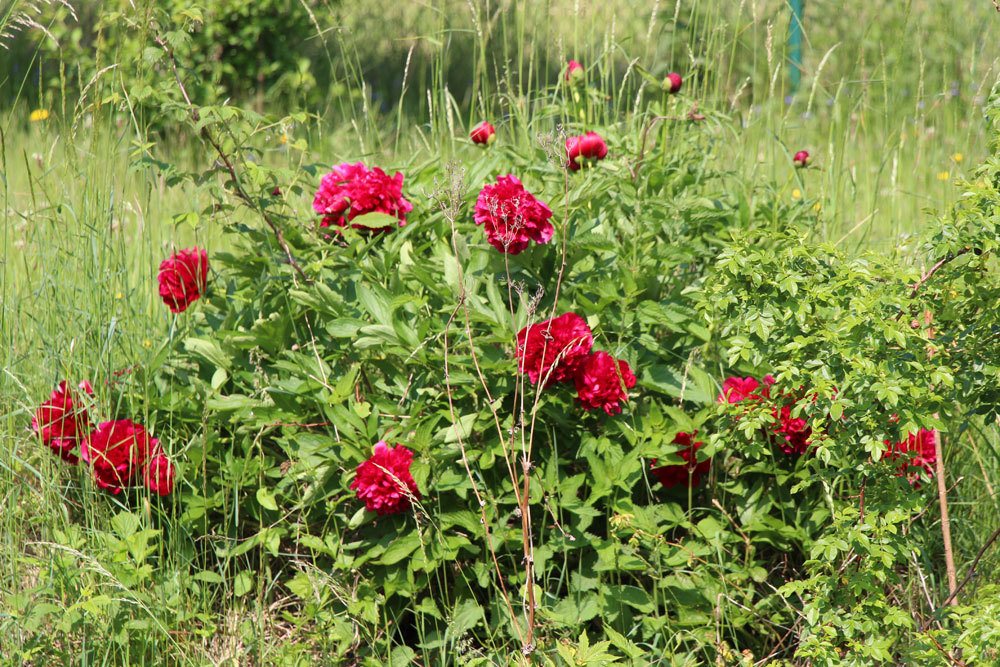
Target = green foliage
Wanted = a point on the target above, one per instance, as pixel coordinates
(273, 388)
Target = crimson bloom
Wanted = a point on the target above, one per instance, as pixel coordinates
(182, 278)
(159, 475)
(586, 147)
(737, 390)
(574, 71)
(62, 422)
(554, 350)
(483, 134)
(512, 216)
(118, 452)
(384, 482)
(350, 190)
(672, 83)
(602, 382)
(917, 453)
(793, 432)
(801, 159)
(688, 473)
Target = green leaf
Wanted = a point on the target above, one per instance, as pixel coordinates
(243, 583)
(375, 220)
(266, 499)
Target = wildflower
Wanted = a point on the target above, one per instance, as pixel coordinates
(589, 146)
(943, 176)
(383, 482)
(511, 216)
(483, 134)
(603, 382)
(350, 190)
(182, 278)
(957, 157)
(796, 194)
(672, 83)
(38, 115)
(554, 350)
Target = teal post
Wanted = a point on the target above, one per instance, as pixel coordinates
(795, 43)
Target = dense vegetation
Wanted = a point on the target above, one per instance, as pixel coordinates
(622, 378)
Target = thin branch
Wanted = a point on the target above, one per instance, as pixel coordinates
(237, 189)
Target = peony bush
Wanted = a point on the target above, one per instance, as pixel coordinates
(675, 505)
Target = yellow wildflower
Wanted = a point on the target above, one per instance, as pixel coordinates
(283, 139)
(147, 343)
(817, 207)
(796, 194)
(957, 157)
(38, 115)
(943, 176)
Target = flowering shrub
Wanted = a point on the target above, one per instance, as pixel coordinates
(503, 522)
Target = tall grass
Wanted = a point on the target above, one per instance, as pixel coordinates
(891, 121)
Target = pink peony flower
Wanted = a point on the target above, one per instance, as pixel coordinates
(350, 190)
(917, 453)
(159, 476)
(182, 278)
(688, 473)
(117, 451)
(512, 216)
(602, 382)
(61, 422)
(737, 390)
(672, 83)
(801, 159)
(484, 134)
(574, 71)
(384, 481)
(554, 350)
(586, 147)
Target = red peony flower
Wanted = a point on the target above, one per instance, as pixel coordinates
(384, 481)
(688, 473)
(182, 278)
(118, 452)
(484, 134)
(511, 216)
(574, 71)
(585, 147)
(554, 350)
(602, 383)
(159, 475)
(801, 159)
(793, 432)
(917, 453)
(62, 422)
(350, 190)
(672, 83)
(737, 390)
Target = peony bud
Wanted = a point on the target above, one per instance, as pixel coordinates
(801, 159)
(672, 83)
(574, 71)
(483, 134)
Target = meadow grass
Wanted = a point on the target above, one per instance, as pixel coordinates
(85, 225)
